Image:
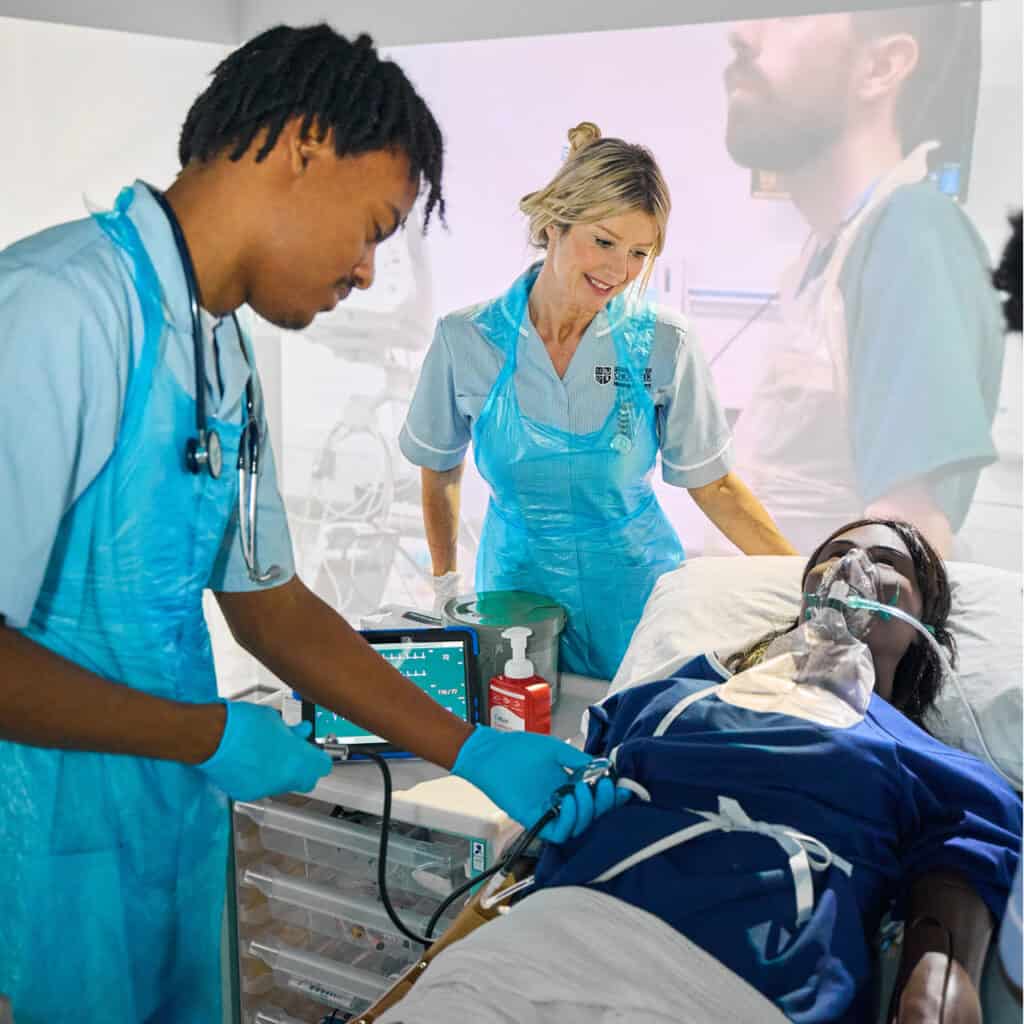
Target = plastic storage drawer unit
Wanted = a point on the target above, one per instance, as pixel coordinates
(334, 913)
(345, 846)
(321, 977)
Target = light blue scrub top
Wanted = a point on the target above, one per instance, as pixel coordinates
(66, 349)
(926, 350)
(461, 367)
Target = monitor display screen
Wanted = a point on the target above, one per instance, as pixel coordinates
(438, 667)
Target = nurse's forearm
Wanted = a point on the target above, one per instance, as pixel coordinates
(48, 701)
(442, 494)
(309, 646)
(735, 510)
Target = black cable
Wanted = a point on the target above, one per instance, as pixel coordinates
(458, 891)
(382, 855)
(514, 851)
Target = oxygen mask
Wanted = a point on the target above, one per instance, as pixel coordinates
(850, 594)
(822, 670)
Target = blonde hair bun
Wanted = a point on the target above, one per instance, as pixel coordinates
(582, 136)
(598, 181)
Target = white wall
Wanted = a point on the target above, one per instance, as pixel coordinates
(998, 137)
(85, 112)
(210, 20)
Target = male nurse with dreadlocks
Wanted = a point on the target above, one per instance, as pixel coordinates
(116, 757)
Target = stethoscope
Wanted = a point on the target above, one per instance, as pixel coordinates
(204, 450)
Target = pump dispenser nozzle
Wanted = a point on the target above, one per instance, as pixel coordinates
(519, 665)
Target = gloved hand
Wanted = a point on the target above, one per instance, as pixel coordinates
(260, 756)
(579, 809)
(446, 587)
(521, 772)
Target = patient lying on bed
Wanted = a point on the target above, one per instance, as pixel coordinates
(783, 803)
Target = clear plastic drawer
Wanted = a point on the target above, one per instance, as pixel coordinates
(351, 848)
(274, 1015)
(321, 977)
(349, 914)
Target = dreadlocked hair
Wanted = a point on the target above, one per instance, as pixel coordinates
(334, 85)
(1007, 276)
(919, 674)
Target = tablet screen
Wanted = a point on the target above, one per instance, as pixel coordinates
(437, 666)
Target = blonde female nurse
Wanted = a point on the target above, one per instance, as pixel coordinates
(568, 387)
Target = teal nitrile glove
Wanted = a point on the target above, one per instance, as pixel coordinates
(260, 756)
(521, 772)
(580, 808)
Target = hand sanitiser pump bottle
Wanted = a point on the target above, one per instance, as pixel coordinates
(519, 699)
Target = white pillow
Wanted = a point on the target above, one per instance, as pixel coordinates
(721, 604)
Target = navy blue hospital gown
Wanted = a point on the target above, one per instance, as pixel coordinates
(882, 794)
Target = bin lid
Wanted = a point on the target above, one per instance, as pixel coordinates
(502, 608)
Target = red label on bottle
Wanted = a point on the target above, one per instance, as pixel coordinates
(517, 705)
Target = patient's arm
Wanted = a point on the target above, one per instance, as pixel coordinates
(944, 946)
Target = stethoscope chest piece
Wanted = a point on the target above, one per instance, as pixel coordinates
(205, 452)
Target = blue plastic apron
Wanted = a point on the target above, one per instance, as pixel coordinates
(113, 868)
(573, 516)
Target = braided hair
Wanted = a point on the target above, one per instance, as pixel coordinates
(335, 85)
(1007, 276)
(919, 674)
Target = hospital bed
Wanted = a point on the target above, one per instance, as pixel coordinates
(722, 603)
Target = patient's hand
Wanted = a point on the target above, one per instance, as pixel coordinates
(944, 947)
(938, 991)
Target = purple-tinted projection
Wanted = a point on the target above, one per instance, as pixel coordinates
(840, 185)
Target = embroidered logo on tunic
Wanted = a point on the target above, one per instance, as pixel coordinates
(604, 375)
